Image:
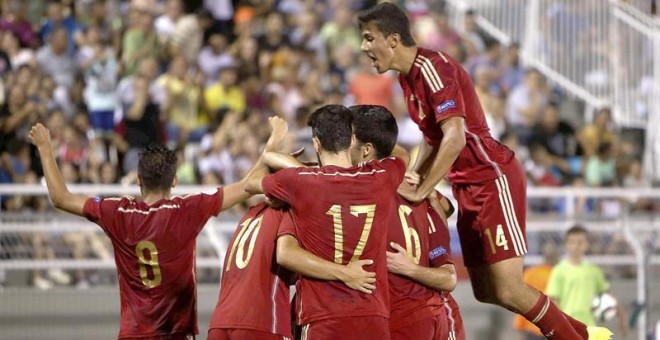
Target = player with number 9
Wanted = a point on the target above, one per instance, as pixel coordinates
(153, 239)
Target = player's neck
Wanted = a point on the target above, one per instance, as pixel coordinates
(341, 159)
(404, 60)
(151, 197)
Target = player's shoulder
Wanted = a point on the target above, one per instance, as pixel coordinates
(383, 162)
(433, 58)
(118, 201)
(183, 198)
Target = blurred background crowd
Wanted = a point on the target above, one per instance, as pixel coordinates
(108, 77)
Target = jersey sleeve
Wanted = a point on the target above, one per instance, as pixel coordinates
(282, 185)
(103, 211)
(287, 226)
(199, 208)
(395, 167)
(445, 96)
(439, 241)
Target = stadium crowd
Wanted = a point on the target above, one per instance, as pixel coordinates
(109, 77)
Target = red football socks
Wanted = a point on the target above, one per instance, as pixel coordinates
(552, 322)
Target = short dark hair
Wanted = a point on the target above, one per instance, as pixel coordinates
(157, 167)
(376, 125)
(331, 124)
(577, 229)
(389, 19)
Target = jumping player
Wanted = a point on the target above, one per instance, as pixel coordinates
(337, 223)
(153, 239)
(488, 182)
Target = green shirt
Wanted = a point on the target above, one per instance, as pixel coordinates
(574, 288)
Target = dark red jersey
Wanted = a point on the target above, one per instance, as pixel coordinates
(438, 87)
(154, 248)
(420, 230)
(255, 290)
(341, 215)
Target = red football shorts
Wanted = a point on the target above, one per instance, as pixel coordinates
(354, 328)
(242, 334)
(436, 328)
(491, 217)
(454, 320)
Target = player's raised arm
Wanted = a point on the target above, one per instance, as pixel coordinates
(278, 128)
(59, 194)
(280, 160)
(452, 144)
(293, 257)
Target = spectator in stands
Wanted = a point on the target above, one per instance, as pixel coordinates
(496, 116)
(98, 14)
(225, 93)
(369, 87)
(558, 138)
(489, 60)
(139, 41)
(284, 93)
(214, 57)
(14, 20)
(306, 35)
(222, 12)
(215, 160)
(17, 56)
(181, 109)
(600, 169)
(185, 170)
(72, 149)
(541, 168)
(188, 36)
(101, 68)
(165, 24)
(341, 31)
(474, 37)
(513, 71)
(148, 69)
(526, 103)
(600, 131)
(55, 19)
(57, 60)
(140, 126)
(16, 115)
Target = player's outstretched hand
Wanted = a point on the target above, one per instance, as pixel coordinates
(357, 278)
(398, 262)
(409, 192)
(39, 136)
(412, 178)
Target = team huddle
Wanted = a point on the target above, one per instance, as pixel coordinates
(364, 240)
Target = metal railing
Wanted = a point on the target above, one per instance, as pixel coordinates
(639, 232)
